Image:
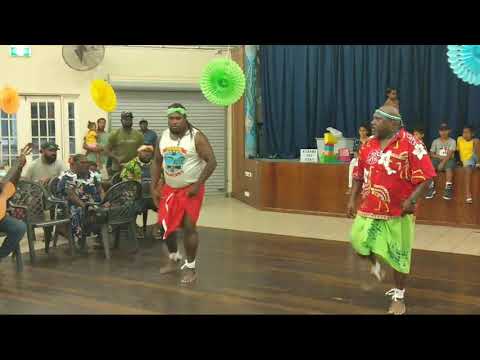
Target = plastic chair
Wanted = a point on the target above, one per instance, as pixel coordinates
(16, 256)
(123, 199)
(57, 210)
(34, 200)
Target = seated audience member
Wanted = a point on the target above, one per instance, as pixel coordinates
(79, 186)
(94, 169)
(139, 168)
(419, 134)
(363, 135)
(14, 228)
(469, 151)
(46, 166)
(442, 154)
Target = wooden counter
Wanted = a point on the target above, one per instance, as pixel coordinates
(291, 186)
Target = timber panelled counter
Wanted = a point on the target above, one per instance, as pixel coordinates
(319, 189)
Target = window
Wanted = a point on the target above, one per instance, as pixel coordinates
(48, 119)
(71, 127)
(9, 147)
(43, 122)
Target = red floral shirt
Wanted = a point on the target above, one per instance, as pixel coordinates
(390, 176)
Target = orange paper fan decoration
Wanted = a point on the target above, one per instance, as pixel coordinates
(9, 100)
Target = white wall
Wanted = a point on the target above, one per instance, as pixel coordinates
(45, 73)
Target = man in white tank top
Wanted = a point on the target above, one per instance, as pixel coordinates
(184, 160)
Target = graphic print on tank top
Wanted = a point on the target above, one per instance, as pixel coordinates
(174, 159)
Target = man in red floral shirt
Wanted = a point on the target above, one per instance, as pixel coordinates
(394, 170)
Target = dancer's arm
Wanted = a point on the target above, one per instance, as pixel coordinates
(205, 152)
(156, 172)
(421, 176)
(409, 205)
(356, 187)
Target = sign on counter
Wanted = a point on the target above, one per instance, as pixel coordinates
(309, 155)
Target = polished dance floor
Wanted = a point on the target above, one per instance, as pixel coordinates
(239, 273)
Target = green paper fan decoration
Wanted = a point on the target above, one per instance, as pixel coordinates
(222, 82)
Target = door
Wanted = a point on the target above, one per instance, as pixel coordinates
(42, 122)
(209, 118)
(48, 119)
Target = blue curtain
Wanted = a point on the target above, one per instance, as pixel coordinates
(306, 89)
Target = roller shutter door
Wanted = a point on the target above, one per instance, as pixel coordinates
(210, 119)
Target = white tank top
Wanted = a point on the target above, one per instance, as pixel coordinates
(181, 164)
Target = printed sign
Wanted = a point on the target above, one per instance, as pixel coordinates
(309, 155)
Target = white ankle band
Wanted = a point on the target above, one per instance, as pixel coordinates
(396, 294)
(189, 265)
(175, 256)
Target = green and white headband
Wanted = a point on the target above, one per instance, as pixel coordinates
(388, 116)
(176, 110)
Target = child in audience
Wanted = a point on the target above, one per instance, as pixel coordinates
(392, 98)
(91, 139)
(94, 169)
(469, 151)
(442, 154)
(419, 134)
(364, 134)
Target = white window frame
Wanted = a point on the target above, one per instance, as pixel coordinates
(65, 142)
(7, 160)
(24, 127)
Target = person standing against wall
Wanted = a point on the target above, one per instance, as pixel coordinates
(123, 143)
(102, 142)
(149, 136)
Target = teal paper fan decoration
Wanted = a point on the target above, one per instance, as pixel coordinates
(465, 62)
(222, 82)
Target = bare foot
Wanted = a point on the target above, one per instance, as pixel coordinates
(397, 307)
(189, 277)
(172, 266)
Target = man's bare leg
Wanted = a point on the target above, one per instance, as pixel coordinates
(174, 256)
(375, 269)
(191, 246)
(397, 306)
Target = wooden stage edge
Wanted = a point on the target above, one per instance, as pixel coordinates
(339, 215)
(319, 189)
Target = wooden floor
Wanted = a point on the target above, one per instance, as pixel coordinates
(239, 273)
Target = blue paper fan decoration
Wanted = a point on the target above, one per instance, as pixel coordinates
(465, 62)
